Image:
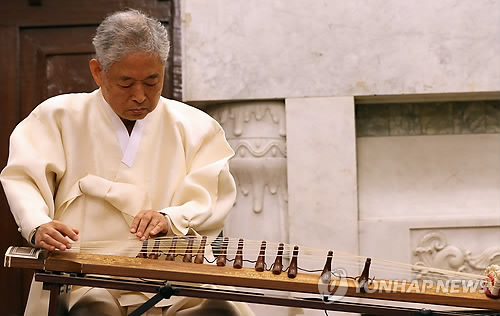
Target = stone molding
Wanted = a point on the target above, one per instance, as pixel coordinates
(430, 118)
(242, 117)
(256, 131)
(434, 251)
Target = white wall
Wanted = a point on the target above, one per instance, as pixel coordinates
(446, 183)
(386, 197)
(438, 175)
(322, 175)
(240, 49)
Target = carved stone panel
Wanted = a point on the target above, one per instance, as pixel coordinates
(468, 250)
(256, 132)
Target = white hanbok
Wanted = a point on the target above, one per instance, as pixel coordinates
(73, 160)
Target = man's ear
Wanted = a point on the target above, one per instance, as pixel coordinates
(96, 70)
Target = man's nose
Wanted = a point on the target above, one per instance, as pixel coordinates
(138, 94)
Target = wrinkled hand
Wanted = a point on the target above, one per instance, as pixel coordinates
(148, 223)
(52, 236)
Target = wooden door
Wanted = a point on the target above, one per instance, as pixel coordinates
(46, 46)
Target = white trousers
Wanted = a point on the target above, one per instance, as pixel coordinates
(99, 302)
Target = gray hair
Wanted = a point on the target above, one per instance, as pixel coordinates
(126, 32)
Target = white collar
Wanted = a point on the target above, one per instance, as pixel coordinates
(128, 144)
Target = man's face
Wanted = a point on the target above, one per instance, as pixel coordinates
(132, 86)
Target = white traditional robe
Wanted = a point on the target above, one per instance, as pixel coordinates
(72, 160)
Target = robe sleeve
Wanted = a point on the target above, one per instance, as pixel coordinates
(35, 165)
(208, 191)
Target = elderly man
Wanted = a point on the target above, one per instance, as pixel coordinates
(121, 162)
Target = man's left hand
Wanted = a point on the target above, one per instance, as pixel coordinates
(149, 223)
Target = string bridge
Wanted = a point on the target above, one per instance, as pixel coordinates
(364, 278)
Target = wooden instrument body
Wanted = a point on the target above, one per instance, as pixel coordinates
(81, 263)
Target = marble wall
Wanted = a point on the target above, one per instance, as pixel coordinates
(388, 180)
(239, 49)
(322, 173)
(426, 182)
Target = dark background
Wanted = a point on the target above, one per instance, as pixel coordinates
(45, 49)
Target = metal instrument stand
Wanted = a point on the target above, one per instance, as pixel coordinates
(54, 283)
(163, 293)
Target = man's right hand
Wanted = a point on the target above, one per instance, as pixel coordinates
(52, 236)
